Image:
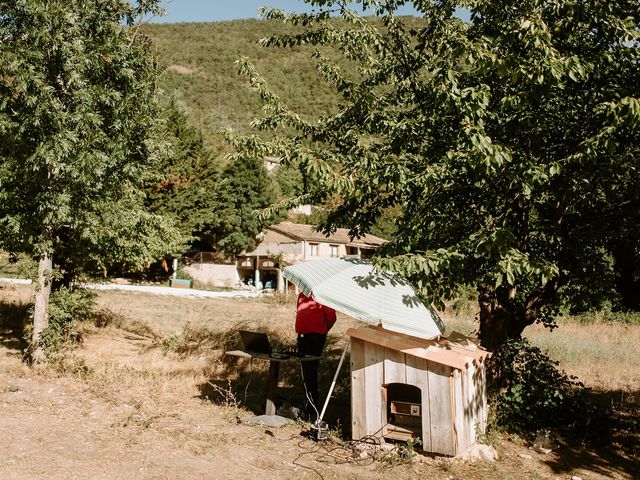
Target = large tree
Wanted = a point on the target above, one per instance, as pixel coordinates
(247, 187)
(77, 135)
(509, 143)
(186, 182)
(212, 204)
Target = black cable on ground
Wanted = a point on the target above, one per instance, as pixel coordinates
(339, 453)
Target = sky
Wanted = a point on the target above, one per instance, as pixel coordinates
(218, 10)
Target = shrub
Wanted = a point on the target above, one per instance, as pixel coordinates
(529, 392)
(69, 364)
(68, 307)
(195, 340)
(104, 317)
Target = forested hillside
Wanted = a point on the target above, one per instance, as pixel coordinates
(202, 90)
(199, 60)
(202, 94)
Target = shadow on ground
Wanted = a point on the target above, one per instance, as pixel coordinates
(612, 441)
(13, 321)
(243, 382)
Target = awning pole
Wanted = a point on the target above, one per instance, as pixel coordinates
(333, 383)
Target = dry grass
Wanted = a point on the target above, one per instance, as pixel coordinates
(175, 317)
(15, 294)
(154, 371)
(193, 335)
(603, 355)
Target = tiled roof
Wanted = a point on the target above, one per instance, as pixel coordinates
(309, 233)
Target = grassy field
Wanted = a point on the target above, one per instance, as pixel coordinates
(15, 267)
(157, 369)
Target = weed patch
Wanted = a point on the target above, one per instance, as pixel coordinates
(529, 393)
(103, 318)
(67, 308)
(196, 340)
(400, 454)
(67, 364)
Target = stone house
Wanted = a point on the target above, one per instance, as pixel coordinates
(284, 243)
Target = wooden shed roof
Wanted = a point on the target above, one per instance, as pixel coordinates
(458, 351)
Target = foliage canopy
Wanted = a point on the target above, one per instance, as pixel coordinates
(78, 134)
(212, 206)
(510, 144)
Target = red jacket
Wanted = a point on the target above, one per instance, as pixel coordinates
(311, 317)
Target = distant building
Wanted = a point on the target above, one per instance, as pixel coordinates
(271, 163)
(302, 210)
(291, 243)
(285, 243)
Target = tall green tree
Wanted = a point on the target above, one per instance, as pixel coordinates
(186, 182)
(77, 135)
(212, 205)
(510, 143)
(247, 188)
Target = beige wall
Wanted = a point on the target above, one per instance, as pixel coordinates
(213, 274)
(299, 251)
(324, 250)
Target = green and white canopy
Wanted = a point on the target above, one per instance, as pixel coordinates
(353, 287)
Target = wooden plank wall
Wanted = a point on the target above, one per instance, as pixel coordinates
(394, 366)
(474, 409)
(480, 411)
(373, 379)
(367, 370)
(417, 374)
(441, 409)
(357, 389)
(460, 431)
(394, 371)
(482, 385)
(372, 366)
(471, 414)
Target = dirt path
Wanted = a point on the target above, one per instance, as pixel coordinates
(127, 423)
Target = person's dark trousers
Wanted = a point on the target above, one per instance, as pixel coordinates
(311, 344)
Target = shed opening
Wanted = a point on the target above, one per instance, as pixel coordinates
(404, 412)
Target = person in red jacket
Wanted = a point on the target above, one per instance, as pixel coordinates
(313, 322)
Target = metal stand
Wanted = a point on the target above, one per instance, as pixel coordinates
(319, 422)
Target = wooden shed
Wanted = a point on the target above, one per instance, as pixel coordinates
(404, 387)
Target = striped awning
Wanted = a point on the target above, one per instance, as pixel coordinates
(353, 287)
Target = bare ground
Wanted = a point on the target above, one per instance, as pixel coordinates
(124, 406)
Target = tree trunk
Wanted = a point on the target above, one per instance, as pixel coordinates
(503, 316)
(500, 320)
(41, 308)
(627, 268)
